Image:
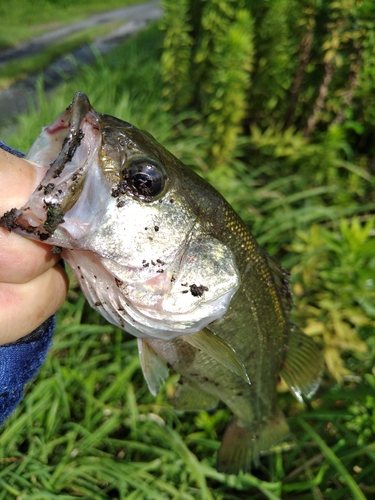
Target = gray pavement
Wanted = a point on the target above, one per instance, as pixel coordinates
(18, 97)
(135, 13)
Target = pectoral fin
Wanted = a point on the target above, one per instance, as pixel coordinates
(215, 347)
(303, 365)
(190, 398)
(154, 369)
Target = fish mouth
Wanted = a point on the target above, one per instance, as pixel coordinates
(67, 149)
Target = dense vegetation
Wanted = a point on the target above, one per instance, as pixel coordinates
(272, 103)
(285, 90)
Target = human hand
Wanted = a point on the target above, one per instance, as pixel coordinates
(32, 283)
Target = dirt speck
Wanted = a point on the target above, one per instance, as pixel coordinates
(49, 188)
(121, 188)
(8, 219)
(55, 216)
(197, 291)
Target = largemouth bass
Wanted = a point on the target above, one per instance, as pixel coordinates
(159, 252)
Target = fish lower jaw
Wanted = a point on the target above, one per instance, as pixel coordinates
(112, 298)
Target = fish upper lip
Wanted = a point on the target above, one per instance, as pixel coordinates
(79, 109)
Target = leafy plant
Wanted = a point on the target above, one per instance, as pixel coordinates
(363, 420)
(207, 61)
(334, 281)
(176, 57)
(225, 94)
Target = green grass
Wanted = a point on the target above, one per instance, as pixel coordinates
(24, 19)
(88, 428)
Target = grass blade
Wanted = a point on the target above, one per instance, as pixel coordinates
(335, 461)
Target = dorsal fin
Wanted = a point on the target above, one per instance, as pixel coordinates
(281, 279)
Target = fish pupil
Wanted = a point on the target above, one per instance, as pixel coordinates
(142, 182)
(145, 178)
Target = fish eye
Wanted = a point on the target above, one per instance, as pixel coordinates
(145, 178)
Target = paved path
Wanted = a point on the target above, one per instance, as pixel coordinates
(17, 98)
(135, 13)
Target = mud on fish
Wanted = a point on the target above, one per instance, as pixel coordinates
(158, 252)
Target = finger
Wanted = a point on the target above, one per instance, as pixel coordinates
(25, 307)
(21, 260)
(18, 179)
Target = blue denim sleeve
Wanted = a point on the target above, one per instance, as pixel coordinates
(21, 360)
(19, 363)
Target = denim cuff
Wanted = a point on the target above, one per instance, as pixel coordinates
(14, 152)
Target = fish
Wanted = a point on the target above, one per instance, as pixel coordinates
(161, 254)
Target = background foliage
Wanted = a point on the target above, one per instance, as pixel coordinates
(291, 150)
(286, 97)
